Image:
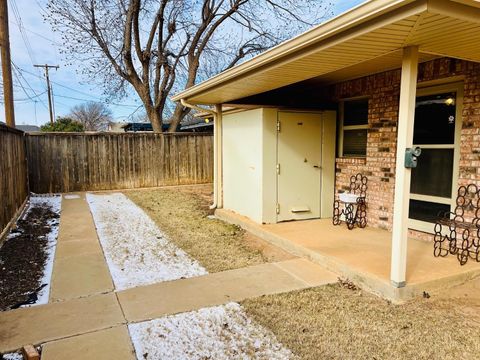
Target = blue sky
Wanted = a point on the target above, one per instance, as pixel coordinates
(37, 44)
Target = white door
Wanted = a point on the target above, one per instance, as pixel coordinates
(299, 154)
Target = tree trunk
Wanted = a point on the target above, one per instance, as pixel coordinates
(155, 118)
(178, 115)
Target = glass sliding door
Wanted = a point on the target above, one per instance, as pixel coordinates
(436, 131)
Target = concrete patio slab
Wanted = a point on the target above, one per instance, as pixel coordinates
(109, 344)
(362, 255)
(80, 275)
(153, 301)
(39, 324)
(79, 268)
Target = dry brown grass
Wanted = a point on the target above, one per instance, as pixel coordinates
(332, 322)
(181, 212)
(329, 322)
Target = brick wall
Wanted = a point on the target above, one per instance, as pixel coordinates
(383, 90)
(470, 135)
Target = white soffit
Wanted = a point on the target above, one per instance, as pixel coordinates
(438, 27)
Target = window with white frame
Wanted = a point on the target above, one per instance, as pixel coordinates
(353, 127)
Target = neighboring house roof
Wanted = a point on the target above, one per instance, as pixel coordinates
(200, 125)
(365, 40)
(28, 128)
(141, 127)
(115, 127)
(192, 124)
(137, 127)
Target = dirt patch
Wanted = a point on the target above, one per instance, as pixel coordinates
(464, 299)
(334, 322)
(183, 214)
(23, 257)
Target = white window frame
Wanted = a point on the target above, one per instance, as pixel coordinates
(342, 127)
(457, 87)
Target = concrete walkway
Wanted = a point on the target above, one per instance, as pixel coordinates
(79, 268)
(87, 319)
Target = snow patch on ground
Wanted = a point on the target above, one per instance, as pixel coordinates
(137, 252)
(220, 332)
(54, 202)
(12, 356)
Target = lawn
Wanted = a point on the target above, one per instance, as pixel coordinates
(328, 322)
(332, 322)
(184, 216)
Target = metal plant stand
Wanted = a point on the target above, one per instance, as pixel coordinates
(352, 205)
(458, 233)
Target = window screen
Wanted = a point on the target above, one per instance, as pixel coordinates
(355, 142)
(433, 175)
(355, 124)
(426, 211)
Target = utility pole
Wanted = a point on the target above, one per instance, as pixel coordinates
(6, 65)
(49, 88)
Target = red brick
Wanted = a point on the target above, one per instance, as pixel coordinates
(383, 90)
(30, 353)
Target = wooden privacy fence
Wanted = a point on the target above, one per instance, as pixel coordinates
(63, 162)
(13, 175)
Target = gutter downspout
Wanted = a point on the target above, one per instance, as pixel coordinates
(219, 125)
(215, 147)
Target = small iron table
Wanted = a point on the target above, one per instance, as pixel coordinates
(352, 204)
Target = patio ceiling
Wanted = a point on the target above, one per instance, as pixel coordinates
(365, 40)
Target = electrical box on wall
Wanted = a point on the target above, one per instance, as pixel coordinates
(411, 157)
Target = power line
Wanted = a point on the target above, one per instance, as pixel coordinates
(31, 98)
(45, 13)
(19, 70)
(23, 88)
(39, 35)
(41, 7)
(81, 92)
(80, 99)
(75, 98)
(20, 26)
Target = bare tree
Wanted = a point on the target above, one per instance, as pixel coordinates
(94, 116)
(160, 46)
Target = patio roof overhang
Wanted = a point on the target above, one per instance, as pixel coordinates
(367, 39)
